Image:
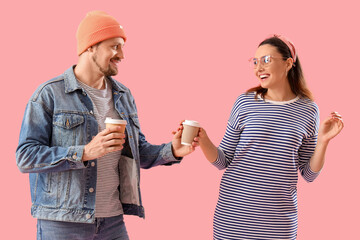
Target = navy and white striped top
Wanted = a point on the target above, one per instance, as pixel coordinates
(265, 144)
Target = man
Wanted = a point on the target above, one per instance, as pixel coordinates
(83, 177)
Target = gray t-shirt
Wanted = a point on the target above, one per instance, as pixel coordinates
(107, 194)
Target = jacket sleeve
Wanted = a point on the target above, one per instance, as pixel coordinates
(34, 152)
(152, 155)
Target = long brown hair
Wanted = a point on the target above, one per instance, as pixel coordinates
(295, 75)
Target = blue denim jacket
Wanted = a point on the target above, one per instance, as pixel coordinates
(58, 122)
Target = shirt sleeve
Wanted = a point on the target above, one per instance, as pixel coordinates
(305, 153)
(226, 150)
(307, 149)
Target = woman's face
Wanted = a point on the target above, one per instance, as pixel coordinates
(270, 68)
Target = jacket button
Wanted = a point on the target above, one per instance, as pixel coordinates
(91, 190)
(88, 216)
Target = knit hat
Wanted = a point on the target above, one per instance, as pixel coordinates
(97, 26)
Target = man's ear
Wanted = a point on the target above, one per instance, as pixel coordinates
(92, 48)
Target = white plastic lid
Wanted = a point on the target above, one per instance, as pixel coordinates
(191, 123)
(115, 121)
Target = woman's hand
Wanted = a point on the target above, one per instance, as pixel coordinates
(330, 127)
(209, 149)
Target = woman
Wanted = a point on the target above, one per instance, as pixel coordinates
(272, 132)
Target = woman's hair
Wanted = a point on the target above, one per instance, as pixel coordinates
(295, 75)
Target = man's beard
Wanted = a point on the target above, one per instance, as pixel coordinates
(107, 72)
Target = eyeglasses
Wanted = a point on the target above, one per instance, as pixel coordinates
(264, 61)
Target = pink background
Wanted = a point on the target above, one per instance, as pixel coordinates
(188, 60)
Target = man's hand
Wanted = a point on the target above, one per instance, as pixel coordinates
(180, 150)
(108, 140)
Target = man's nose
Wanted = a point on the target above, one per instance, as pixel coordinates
(120, 53)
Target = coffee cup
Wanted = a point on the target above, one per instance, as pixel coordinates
(190, 131)
(110, 122)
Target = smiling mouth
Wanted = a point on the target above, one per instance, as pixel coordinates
(264, 76)
(115, 61)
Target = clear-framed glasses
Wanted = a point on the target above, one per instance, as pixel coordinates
(264, 61)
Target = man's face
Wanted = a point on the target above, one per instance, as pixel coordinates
(107, 55)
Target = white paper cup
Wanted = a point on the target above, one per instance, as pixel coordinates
(190, 131)
(110, 122)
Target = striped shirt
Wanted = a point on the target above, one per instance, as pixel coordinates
(107, 194)
(265, 144)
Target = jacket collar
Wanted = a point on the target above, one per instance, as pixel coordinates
(72, 84)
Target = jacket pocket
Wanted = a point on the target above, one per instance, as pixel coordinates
(68, 129)
(45, 194)
(60, 189)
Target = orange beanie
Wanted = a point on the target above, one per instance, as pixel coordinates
(97, 26)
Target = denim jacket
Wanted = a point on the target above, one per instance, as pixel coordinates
(58, 122)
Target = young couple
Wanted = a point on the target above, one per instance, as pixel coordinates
(84, 177)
